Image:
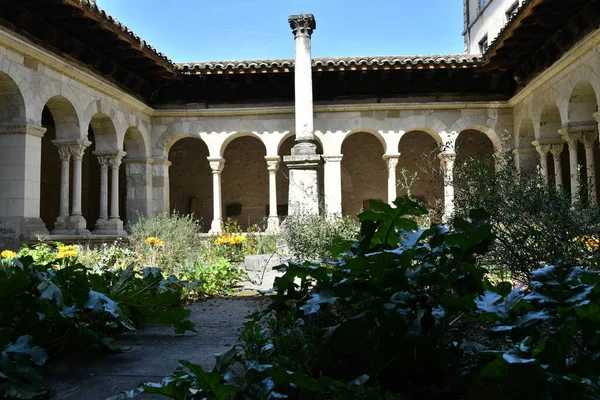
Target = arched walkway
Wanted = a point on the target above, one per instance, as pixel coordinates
(419, 171)
(245, 182)
(364, 172)
(190, 180)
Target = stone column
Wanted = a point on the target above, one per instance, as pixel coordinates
(556, 150)
(115, 162)
(216, 164)
(77, 223)
(304, 163)
(589, 139)
(103, 217)
(20, 182)
(392, 162)
(572, 140)
(447, 159)
(543, 150)
(273, 221)
(333, 184)
(64, 153)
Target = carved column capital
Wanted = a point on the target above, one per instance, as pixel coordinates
(542, 149)
(272, 164)
(302, 24)
(216, 164)
(556, 149)
(447, 156)
(78, 149)
(572, 138)
(589, 138)
(391, 162)
(64, 152)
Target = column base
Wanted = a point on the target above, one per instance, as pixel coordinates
(273, 225)
(75, 225)
(215, 227)
(304, 183)
(112, 226)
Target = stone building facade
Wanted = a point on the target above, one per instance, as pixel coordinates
(96, 127)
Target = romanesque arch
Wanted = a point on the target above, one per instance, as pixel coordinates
(419, 170)
(190, 179)
(61, 120)
(364, 172)
(12, 103)
(490, 127)
(135, 177)
(245, 181)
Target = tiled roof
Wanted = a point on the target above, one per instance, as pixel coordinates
(336, 63)
(92, 6)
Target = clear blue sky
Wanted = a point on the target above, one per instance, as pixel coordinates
(200, 30)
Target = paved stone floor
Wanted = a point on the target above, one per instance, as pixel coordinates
(155, 352)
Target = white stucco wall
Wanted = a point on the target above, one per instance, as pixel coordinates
(487, 20)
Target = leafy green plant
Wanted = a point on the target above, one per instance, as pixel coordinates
(310, 237)
(212, 277)
(535, 224)
(63, 306)
(179, 234)
(551, 329)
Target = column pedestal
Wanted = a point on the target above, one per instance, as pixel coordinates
(304, 183)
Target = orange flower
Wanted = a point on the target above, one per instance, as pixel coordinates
(154, 241)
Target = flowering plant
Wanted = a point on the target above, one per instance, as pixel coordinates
(155, 242)
(230, 240)
(67, 252)
(8, 255)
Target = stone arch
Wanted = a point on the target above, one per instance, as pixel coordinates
(16, 87)
(105, 133)
(364, 172)
(419, 167)
(583, 74)
(373, 132)
(428, 124)
(55, 95)
(549, 122)
(525, 134)
(12, 102)
(99, 112)
(245, 180)
(231, 137)
(190, 177)
(176, 132)
(134, 143)
(482, 123)
(65, 116)
(291, 134)
(583, 103)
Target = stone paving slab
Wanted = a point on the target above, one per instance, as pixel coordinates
(155, 352)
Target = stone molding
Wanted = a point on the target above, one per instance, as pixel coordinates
(302, 24)
(22, 129)
(333, 158)
(137, 160)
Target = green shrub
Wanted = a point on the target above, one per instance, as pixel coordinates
(409, 313)
(536, 225)
(62, 307)
(310, 237)
(212, 277)
(179, 234)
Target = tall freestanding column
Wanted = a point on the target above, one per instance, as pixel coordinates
(447, 159)
(589, 139)
(304, 163)
(543, 150)
(216, 164)
(64, 153)
(333, 184)
(556, 150)
(392, 163)
(77, 223)
(273, 221)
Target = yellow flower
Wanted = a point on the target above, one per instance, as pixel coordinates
(67, 252)
(154, 241)
(591, 242)
(7, 254)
